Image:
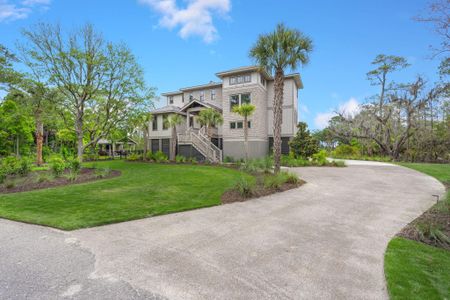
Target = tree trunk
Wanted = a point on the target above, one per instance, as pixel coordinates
(39, 139)
(277, 118)
(173, 145)
(79, 134)
(246, 137)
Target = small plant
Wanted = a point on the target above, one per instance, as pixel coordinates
(2, 175)
(160, 157)
(11, 165)
(228, 159)
(193, 160)
(71, 176)
(24, 167)
(134, 157)
(57, 165)
(10, 184)
(102, 172)
(292, 178)
(74, 165)
(338, 163)
(180, 159)
(433, 233)
(245, 187)
(276, 181)
(44, 177)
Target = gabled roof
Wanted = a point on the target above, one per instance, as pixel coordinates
(202, 103)
(196, 87)
(166, 110)
(243, 70)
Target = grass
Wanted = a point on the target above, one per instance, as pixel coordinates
(142, 190)
(415, 270)
(439, 171)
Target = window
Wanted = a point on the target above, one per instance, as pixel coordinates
(232, 125)
(249, 124)
(202, 95)
(182, 98)
(170, 99)
(263, 80)
(213, 94)
(239, 125)
(234, 100)
(155, 123)
(240, 79)
(165, 127)
(191, 97)
(239, 99)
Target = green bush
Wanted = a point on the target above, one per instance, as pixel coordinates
(345, 151)
(91, 157)
(74, 165)
(320, 158)
(134, 157)
(258, 165)
(180, 159)
(290, 161)
(24, 167)
(292, 178)
(72, 176)
(11, 165)
(150, 156)
(57, 165)
(160, 157)
(245, 186)
(192, 160)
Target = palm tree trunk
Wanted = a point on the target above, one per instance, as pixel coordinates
(39, 139)
(277, 118)
(174, 144)
(246, 137)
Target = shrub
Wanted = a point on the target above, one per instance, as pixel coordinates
(257, 165)
(134, 157)
(303, 145)
(228, 159)
(292, 178)
(180, 159)
(244, 186)
(57, 165)
(2, 175)
(290, 161)
(72, 176)
(160, 157)
(102, 172)
(90, 157)
(276, 181)
(11, 165)
(74, 165)
(150, 156)
(192, 160)
(320, 158)
(338, 163)
(24, 167)
(344, 150)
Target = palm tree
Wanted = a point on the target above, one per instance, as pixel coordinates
(245, 110)
(210, 118)
(172, 121)
(275, 52)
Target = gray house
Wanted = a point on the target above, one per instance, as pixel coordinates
(236, 86)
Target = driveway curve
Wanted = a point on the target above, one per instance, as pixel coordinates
(325, 240)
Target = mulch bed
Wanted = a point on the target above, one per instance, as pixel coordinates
(433, 218)
(30, 182)
(232, 195)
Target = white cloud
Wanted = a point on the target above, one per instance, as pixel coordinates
(349, 108)
(11, 12)
(321, 120)
(196, 19)
(304, 108)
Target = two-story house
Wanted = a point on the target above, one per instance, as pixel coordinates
(236, 86)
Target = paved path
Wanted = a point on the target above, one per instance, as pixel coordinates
(325, 240)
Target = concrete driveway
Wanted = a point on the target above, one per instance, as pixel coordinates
(325, 240)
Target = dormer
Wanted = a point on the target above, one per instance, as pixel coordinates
(241, 77)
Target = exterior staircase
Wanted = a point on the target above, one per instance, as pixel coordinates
(200, 141)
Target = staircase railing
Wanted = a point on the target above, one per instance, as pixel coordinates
(202, 143)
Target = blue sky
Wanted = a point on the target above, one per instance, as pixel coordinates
(184, 43)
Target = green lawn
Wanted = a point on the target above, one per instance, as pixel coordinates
(142, 190)
(439, 171)
(415, 270)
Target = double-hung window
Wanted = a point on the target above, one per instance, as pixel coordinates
(155, 123)
(213, 94)
(170, 99)
(165, 127)
(202, 95)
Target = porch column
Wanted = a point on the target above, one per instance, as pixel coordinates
(188, 116)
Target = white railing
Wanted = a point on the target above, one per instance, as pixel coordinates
(202, 143)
